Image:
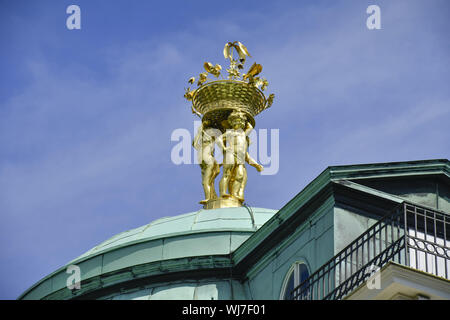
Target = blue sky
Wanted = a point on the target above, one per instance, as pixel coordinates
(86, 115)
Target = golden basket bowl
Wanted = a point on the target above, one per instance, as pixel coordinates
(217, 99)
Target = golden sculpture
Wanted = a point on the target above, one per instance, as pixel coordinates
(235, 144)
(204, 143)
(227, 108)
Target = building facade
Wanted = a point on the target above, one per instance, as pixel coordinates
(373, 231)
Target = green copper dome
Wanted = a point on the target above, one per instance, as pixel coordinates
(241, 219)
(171, 244)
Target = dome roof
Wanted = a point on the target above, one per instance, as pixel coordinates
(241, 219)
(203, 233)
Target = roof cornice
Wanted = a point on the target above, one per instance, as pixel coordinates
(391, 169)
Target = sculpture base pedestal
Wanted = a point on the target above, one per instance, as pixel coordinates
(222, 203)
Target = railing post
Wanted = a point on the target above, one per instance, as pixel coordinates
(406, 239)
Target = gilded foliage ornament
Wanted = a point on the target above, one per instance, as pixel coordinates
(214, 73)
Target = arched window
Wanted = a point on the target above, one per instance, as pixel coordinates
(296, 275)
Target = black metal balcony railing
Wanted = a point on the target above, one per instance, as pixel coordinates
(411, 236)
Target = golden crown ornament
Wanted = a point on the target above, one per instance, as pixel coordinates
(216, 97)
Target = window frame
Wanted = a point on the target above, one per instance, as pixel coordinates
(294, 268)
